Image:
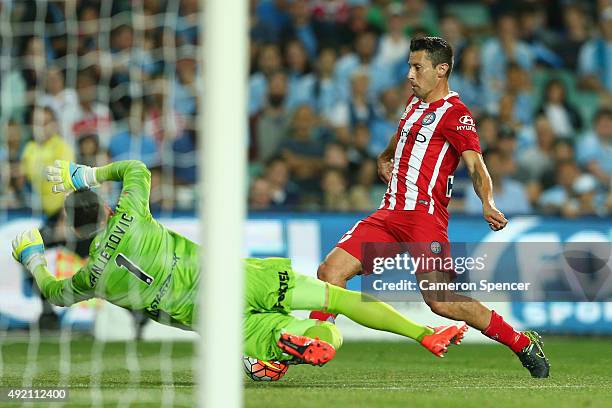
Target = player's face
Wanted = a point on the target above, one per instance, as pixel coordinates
(423, 76)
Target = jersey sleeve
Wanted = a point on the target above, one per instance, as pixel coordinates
(136, 180)
(460, 130)
(63, 292)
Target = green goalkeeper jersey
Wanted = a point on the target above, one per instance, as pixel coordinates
(136, 262)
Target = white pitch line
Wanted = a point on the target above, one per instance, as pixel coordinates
(465, 387)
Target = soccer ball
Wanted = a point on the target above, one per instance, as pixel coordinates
(258, 370)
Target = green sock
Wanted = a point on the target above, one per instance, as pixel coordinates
(371, 312)
(327, 332)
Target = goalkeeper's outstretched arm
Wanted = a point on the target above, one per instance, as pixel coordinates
(134, 174)
(29, 249)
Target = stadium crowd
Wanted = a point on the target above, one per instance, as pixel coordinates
(97, 81)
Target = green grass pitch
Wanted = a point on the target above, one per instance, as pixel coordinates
(365, 374)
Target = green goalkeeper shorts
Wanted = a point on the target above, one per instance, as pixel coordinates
(270, 291)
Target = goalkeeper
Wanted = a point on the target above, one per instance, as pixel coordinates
(138, 264)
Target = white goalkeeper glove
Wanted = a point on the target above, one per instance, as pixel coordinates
(29, 249)
(70, 176)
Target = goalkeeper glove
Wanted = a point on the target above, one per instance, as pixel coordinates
(70, 176)
(29, 249)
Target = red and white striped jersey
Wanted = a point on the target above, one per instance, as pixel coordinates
(430, 140)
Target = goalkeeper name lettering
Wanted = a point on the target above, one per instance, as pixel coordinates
(110, 247)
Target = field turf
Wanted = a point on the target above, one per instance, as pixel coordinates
(368, 374)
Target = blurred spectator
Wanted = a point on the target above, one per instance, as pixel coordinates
(187, 30)
(595, 58)
(335, 157)
(133, 142)
(13, 180)
(453, 31)
(507, 116)
(268, 62)
(89, 152)
(359, 148)
(519, 85)
(260, 194)
(184, 150)
(334, 189)
(359, 109)
(507, 145)
(330, 19)
(41, 152)
(537, 160)
(587, 199)
(285, 193)
(323, 90)
(301, 28)
(365, 192)
(555, 200)
(422, 14)
(466, 79)
(89, 27)
(273, 14)
(303, 149)
(162, 121)
(185, 87)
(384, 125)
(298, 72)
(20, 84)
(534, 31)
(130, 58)
(89, 116)
(394, 45)
(497, 53)
(358, 24)
(488, 131)
(594, 150)
(575, 34)
(563, 117)
(380, 74)
(510, 195)
(269, 127)
(62, 100)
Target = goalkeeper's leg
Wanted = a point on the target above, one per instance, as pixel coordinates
(313, 294)
(282, 337)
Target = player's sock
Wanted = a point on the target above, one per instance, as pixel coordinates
(323, 316)
(370, 312)
(502, 332)
(327, 332)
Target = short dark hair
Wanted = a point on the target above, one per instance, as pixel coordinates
(45, 108)
(438, 50)
(601, 114)
(84, 212)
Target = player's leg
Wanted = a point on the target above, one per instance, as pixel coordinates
(338, 267)
(368, 311)
(344, 261)
(527, 345)
(422, 231)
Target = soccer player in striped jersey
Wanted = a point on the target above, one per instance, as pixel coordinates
(138, 264)
(435, 131)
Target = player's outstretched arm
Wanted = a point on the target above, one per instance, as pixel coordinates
(483, 186)
(29, 250)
